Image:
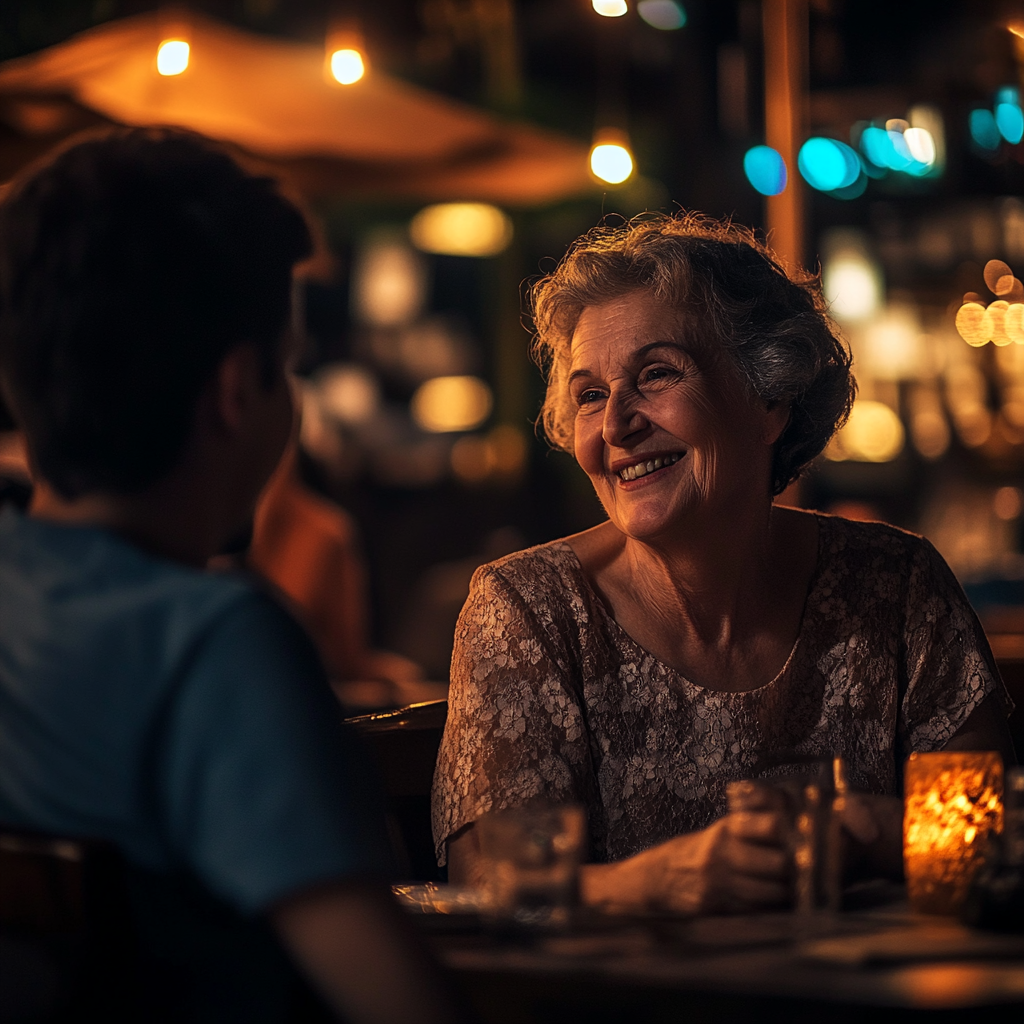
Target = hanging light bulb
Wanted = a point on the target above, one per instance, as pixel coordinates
(346, 59)
(347, 66)
(610, 158)
(172, 57)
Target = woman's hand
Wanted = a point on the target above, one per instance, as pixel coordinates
(874, 830)
(738, 863)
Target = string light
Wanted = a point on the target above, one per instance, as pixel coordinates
(172, 57)
(347, 66)
(610, 8)
(610, 158)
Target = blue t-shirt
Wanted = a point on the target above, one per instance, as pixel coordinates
(181, 715)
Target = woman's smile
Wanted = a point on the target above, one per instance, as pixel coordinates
(646, 469)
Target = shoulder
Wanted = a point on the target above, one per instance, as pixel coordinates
(878, 549)
(537, 575)
(869, 539)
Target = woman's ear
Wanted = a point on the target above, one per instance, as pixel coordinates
(775, 422)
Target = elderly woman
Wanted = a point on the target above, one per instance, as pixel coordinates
(702, 631)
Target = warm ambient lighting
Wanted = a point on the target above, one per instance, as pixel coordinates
(852, 284)
(873, 433)
(610, 8)
(953, 803)
(610, 158)
(448, 404)
(172, 57)
(461, 229)
(347, 66)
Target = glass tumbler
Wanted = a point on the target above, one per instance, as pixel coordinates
(532, 858)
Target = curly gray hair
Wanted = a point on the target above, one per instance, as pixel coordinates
(774, 325)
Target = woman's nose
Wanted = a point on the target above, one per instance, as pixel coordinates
(622, 419)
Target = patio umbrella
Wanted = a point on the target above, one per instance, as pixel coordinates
(271, 99)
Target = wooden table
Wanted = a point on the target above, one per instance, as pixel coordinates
(765, 968)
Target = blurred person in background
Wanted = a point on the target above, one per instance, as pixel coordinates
(180, 715)
(307, 546)
(703, 634)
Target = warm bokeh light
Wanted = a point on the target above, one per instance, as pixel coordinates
(610, 8)
(852, 285)
(666, 15)
(765, 170)
(873, 433)
(499, 455)
(1008, 503)
(461, 229)
(953, 803)
(611, 162)
(348, 392)
(995, 271)
(828, 164)
(449, 404)
(891, 344)
(973, 324)
(1014, 323)
(921, 145)
(347, 66)
(997, 318)
(389, 283)
(172, 57)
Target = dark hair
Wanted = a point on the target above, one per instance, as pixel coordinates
(130, 264)
(772, 324)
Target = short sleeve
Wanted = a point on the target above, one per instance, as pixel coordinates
(515, 728)
(264, 793)
(950, 668)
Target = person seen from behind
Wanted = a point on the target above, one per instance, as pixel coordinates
(178, 714)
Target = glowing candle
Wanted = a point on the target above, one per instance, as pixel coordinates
(954, 801)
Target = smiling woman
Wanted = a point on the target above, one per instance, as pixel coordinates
(702, 635)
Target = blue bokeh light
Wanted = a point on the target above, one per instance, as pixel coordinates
(1008, 94)
(666, 15)
(827, 164)
(1010, 122)
(984, 130)
(765, 170)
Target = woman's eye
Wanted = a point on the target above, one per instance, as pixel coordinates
(655, 374)
(589, 396)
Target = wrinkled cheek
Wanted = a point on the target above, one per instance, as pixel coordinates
(705, 470)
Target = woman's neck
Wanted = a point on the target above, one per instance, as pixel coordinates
(720, 600)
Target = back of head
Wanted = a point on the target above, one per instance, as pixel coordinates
(130, 264)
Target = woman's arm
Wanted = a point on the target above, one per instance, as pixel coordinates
(738, 863)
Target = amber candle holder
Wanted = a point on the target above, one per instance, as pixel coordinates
(953, 803)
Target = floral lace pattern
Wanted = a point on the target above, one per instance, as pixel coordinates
(551, 698)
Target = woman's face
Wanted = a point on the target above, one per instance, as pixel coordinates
(664, 432)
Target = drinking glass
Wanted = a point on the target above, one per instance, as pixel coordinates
(809, 793)
(532, 858)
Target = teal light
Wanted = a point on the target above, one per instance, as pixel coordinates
(901, 159)
(1010, 122)
(765, 170)
(984, 130)
(828, 165)
(1008, 94)
(666, 15)
(876, 146)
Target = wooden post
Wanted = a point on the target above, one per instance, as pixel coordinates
(785, 64)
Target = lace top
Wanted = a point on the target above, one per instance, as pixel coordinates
(551, 698)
